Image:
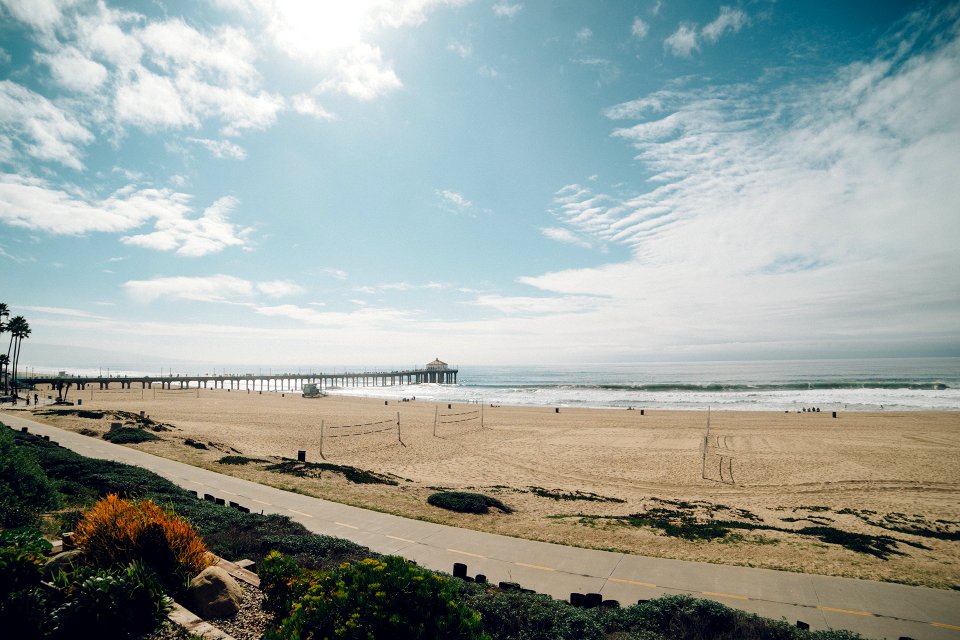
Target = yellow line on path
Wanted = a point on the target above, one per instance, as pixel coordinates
(724, 595)
(945, 626)
(260, 501)
(344, 524)
(400, 539)
(230, 492)
(300, 513)
(634, 582)
(465, 553)
(534, 566)
(852, 612)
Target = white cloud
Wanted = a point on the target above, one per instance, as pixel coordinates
(543, 305)
(153, 101)
(454, 202)
(61, 311)
(339, 274)
(505, 9)
(214, 288)
(33, 203)
(75, 71)
(39, 14)
(362, 74)
(280, 288)
(31, 124)
(639, 29)
(459, 48)
(306, 105)
(730, 20)
(488, 72)
(683, 42)
(655, 8)
(362, 318)
(211, 233)
(584, 34)
(221, 148)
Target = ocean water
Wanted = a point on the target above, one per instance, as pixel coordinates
(854, 385)
(895, 384)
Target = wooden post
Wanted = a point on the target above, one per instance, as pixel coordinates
(481, 415)
(436, 413)
(398, 430)
(321, 440)
(706, 443)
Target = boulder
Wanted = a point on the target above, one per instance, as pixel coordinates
(214, 594)
(66, 561)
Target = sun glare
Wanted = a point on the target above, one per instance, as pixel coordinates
(321, 27)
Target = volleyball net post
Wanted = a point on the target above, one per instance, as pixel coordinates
(706, 444)
(398, 430)
(321, 441)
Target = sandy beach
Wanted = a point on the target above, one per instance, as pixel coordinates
(573, 476)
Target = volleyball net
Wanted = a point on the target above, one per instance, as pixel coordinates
(454, 423)
(185, 392)
(342, 438)
(717, 464)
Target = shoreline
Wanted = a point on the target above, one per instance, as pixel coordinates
(573, 476)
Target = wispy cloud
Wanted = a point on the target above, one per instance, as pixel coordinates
(505, 9)
(221, 148)
(455, 202)
(306, 105)
(730, 20)
(215, 288)
(808, 204)
(686, 39)
(210, 233)
(565, 236)
(461, 49)
(584, 34)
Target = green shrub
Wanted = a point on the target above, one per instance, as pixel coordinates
(21, 557)
(128, 435)
(533, 616)
(25, 490)
(463, 502)
(386, 598)
(118, 603)
(279, 576)
(23, 605)
(238, 460)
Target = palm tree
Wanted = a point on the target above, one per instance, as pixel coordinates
(19, 329)
(4, 315)
(4, 361)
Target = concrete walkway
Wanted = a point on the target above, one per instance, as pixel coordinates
(873, 609)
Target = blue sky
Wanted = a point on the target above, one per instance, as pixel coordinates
(508, 182)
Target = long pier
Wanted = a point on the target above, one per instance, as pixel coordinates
(271, 382)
